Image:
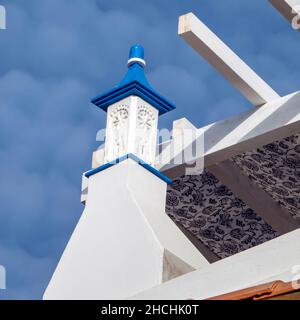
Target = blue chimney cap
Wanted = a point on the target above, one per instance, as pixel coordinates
(136, 51)
(136, 55)
(134, 83)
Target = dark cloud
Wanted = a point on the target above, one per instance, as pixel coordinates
(56, 55)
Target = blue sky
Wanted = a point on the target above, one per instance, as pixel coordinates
(57, 54)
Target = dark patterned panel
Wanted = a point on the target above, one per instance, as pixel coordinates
(210, 211)
(276, 169)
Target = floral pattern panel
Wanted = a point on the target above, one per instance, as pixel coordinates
(210, 211)
(276, 169)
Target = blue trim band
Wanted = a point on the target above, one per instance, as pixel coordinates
(136, 159)
(133, 88)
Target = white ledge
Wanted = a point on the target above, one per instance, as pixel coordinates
(278, 259)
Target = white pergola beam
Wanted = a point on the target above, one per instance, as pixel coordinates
(222, 58)
(227, 138)
(256, 198)
(287, 8)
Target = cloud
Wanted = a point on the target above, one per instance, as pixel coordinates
(56, 55)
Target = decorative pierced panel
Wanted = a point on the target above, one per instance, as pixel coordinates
(210, 211)
(131, 128)
(146, 131)
(117, 131)
(276, 169)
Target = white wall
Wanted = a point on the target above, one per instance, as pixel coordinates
(117, 248)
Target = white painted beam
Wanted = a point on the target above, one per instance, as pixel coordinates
(256, 198)
(227, 138)
(222, 58)
(290, 9)
(277, 259)
(205, 251)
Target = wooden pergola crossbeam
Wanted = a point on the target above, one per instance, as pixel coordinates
(260, 201)
(224, 60)
(224, 139)
(287, 8)
(277, 117)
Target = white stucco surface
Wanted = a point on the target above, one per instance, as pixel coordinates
(117, 247)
